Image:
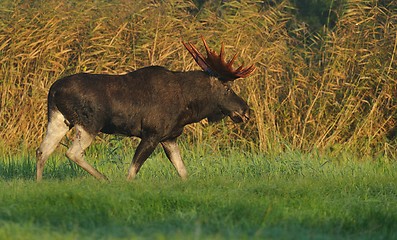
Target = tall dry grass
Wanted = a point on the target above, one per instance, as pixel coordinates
(332, 90)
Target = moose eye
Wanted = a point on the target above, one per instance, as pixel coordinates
(228, 89)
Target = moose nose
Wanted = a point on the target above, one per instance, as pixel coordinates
(239, 117)
(247, 114)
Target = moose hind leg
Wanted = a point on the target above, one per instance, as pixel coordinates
(172, 151)
(56, 129)
(82, 140)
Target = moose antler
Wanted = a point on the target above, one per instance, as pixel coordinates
(216, 65)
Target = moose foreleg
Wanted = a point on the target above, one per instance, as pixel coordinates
(143, 151)
(172, 151)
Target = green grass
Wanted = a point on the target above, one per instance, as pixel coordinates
(229, 195)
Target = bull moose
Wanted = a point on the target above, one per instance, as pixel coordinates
(152, 103)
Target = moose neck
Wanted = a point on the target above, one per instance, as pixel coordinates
(199, 95)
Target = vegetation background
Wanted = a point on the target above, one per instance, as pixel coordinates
(325, 79)
(314, 162)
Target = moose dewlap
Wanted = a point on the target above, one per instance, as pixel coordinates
(152, 103)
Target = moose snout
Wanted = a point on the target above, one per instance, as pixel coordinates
(241, 116)
(247, 114)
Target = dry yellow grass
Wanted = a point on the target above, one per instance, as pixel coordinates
(320, 91)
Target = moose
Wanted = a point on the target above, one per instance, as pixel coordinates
(151, 103)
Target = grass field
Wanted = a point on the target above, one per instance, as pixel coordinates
(229, 195)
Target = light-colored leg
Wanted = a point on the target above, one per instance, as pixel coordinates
(56, 129)
(172, 151)
(82, 140)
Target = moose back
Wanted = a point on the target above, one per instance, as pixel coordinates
(152, 103)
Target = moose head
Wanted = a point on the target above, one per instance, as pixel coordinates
(215, 65)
